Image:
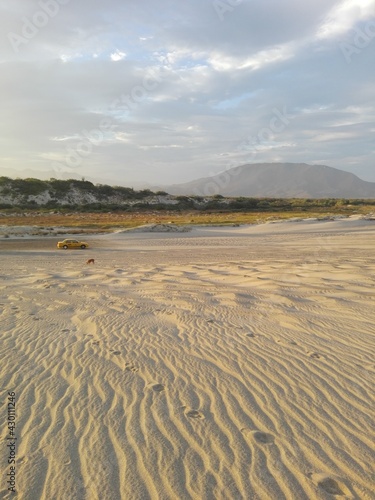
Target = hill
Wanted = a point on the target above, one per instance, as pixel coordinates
(279, 180)
(72, 192)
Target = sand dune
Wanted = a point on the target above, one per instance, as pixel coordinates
(227, 363)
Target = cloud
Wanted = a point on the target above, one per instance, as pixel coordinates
(118, 56)
(179, 87)
(345, 16)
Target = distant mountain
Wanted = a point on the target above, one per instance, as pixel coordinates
(279, 180)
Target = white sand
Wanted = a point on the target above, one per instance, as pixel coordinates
(223, 363)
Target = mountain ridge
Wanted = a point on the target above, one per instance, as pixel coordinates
(254, 181)
(281, 180)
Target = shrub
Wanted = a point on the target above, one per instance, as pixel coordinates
(29, 186)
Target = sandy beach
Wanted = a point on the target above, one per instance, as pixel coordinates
(219, 363)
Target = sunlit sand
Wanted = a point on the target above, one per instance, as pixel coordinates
(220, 363)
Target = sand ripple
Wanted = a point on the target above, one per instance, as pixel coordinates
(215, 378)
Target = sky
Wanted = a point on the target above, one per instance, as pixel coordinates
(160, 92)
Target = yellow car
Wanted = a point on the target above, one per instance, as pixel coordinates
(71, 244)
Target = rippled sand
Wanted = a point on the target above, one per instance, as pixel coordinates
(218, 364)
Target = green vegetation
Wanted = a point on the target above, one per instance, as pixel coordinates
(26, 187)
(59, 189)
(124, 199)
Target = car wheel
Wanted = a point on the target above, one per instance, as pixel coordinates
(65, 247)
(83, 246)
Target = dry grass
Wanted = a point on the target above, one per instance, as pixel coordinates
(103, 222)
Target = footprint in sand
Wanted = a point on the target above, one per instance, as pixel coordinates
(130, 368)
(260, 437)
(158, 387)
(314, 355)
(194, 414)
(290, 342)
(263, 437)
(333, 485)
